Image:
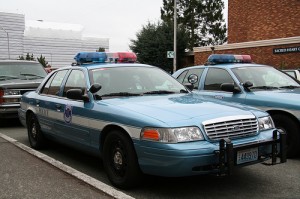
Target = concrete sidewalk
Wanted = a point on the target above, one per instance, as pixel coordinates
(26, 173)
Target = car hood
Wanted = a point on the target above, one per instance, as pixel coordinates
(174, 108)
(20, 83)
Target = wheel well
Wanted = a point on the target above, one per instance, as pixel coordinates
(106, 131)
(27, 116)
(287, 114)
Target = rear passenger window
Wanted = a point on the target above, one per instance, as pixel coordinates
(52, 87)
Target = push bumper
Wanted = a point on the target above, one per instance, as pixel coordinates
(228, 152)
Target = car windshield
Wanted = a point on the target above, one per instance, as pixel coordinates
(20, 70)
(264, 77)
(132, 81)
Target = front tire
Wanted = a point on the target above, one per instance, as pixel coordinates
(35, 135)
(292, 130)
(120, 161)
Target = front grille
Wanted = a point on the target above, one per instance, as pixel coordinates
(231, 127)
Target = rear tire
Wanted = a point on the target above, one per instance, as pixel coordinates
(120, 161)
(35, 135)
(292, 130)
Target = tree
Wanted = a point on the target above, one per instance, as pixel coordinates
(28, 57)
(42, 61)
(100, 49)
(202, 19)
(153, 42)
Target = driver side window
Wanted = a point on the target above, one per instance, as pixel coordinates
(215, 77)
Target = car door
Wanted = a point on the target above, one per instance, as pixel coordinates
(73, 124)
(210, 85)
(48, 103)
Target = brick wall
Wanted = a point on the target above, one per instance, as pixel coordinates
(252, 20)
(261, 55)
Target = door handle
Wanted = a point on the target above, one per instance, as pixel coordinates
(58, 107)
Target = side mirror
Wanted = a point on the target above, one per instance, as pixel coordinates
(189, 86)
(193, 79)
(95, 88)
(229, 87)
(247, 84)
(77, 94)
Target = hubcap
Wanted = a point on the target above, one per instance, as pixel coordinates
(118, 159)
(33, 130)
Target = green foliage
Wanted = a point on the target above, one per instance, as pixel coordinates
(21, 57)
(42, 61)
(28, 57)
(153, 42)
(202, 19)
(101, 49)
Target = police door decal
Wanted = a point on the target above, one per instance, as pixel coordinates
(68, 114)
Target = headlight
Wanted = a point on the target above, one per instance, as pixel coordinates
(172, 135)
(9, 96)
(265, 123)
(12, 92)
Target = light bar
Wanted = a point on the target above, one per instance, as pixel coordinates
(103, 57)
(229, 58)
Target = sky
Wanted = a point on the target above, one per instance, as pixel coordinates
(117, 20)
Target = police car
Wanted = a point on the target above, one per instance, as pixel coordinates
(234, 78)
(140, 120)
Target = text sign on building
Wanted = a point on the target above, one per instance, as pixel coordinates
(286, 50)
(170, 54)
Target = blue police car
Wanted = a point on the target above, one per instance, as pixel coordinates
(141, 120)
(234, 78)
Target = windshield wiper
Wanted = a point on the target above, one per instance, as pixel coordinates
(264, 87)
(121, 94)
(33, 75)
(289, 87)
(8, 77)
(159, 92)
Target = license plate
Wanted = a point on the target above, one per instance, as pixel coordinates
(247, 155)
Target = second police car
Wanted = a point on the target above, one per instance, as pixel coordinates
(234, 78)
(140, 120)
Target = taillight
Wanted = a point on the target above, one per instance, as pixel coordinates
(1, 96)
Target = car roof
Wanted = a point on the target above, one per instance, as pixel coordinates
(107, 65)
(229, 65)
(18, 61)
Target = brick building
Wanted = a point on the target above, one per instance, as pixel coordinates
(268, 30)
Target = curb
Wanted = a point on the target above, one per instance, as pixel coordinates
(109, 190)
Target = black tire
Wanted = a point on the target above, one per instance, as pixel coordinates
(35, 135)
(120, 161)
(291, 128)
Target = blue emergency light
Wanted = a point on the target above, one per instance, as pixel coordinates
(228, 58)
(90, 57)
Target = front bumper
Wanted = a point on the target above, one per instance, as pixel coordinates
(9, 110)
(197, 158)
(228, 152)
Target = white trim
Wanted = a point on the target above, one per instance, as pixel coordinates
(250, 44)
